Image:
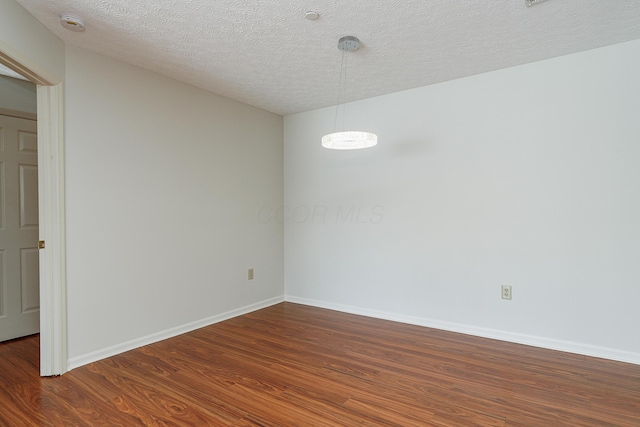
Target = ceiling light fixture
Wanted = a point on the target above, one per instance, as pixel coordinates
(312, 15)
(347, 140)
(530, 3)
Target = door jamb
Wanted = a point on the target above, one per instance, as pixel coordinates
(53, 285)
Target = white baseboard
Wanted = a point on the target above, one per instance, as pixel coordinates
(94, 356)
(535, 341)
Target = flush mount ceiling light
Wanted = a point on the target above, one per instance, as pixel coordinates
(312, 15)
(72, 22)
(347, 140)
(530, 3)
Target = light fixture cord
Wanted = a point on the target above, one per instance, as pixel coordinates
(344, 88)
(342, 69)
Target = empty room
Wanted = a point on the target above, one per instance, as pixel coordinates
(320, 214)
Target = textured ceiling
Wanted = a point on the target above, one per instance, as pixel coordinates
(4, 71)
(264, 52)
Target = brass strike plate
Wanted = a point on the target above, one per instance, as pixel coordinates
(40, 244)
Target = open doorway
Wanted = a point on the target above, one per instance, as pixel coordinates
(50, 177)
(19, 265)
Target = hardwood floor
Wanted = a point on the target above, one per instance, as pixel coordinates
(293, 365)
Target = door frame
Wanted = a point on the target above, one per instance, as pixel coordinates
(53, 284)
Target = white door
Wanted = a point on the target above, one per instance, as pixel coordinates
(19, 269)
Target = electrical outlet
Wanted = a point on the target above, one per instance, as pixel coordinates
(250, 274)
(506, 292)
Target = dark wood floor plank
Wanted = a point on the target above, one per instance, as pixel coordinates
(294, 365)
(356, 371)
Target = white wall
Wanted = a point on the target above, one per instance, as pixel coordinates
(164, 183)
(527, 176)
(24, 34)
(18, 95)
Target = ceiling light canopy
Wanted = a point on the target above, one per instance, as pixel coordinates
(347, 140)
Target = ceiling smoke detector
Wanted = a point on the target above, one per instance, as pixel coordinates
(72, 22)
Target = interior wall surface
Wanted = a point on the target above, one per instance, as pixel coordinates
(28, 37)
(18, 95)
(164, 185)
(526, 177)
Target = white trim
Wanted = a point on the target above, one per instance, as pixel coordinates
(16, 61)
(18, 114)
(53, 309)
(94, 356)
(535, 341)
